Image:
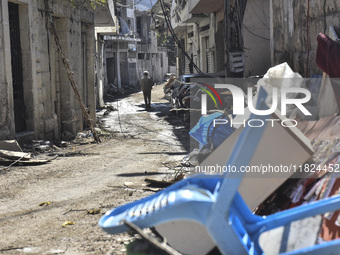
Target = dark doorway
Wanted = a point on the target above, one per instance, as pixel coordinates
(181, 59)
(16, 62)
(111, 70)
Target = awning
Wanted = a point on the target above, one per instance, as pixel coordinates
(205, 6)
(120, 38)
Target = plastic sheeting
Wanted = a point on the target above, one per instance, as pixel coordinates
(205, 132)
(281, 76)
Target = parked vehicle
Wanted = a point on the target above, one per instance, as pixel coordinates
(179, 90)
(166, 88)
(187, 94)
(167, 77)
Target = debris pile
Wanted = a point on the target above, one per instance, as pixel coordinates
(292, 163)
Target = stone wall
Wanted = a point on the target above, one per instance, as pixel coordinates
(6, 93)
(51, 107)
(290, 31)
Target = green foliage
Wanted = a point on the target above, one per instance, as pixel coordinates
(164, 40)
(92, 3)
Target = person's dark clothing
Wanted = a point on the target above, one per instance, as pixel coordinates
(146, 84)
(328, 60)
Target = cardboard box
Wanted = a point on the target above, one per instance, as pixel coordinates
(281, 148)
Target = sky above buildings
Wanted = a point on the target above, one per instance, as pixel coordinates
(144, 5)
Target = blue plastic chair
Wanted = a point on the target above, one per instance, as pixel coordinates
(214, 202)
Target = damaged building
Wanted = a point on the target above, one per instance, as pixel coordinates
(127, 45)
(152, 55)
(116, 49)
(37, 101)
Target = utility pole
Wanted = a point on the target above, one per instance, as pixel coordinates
(226, 36)
(233, 19)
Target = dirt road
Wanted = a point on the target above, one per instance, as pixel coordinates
(87, 177)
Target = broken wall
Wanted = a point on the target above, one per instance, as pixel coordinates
(292, 41)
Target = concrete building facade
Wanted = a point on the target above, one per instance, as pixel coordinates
(121, 47)
(37, 101)
(199, 26)
(126, 45)
(152, 58)
(295, 27)
(115, 49)
(105, 24)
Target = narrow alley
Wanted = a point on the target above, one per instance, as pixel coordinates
(89, 177)
(237, 153)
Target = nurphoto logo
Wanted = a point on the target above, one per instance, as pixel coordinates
(239, 104)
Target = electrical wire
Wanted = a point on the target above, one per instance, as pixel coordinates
(129, 5)
(324, 17)
(234, 20)
(256, 14)
(308, 47)
(177, 41)
(265, 13)
(14, 162)
(251, 32)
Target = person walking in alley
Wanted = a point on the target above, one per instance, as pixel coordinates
(146, 84)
